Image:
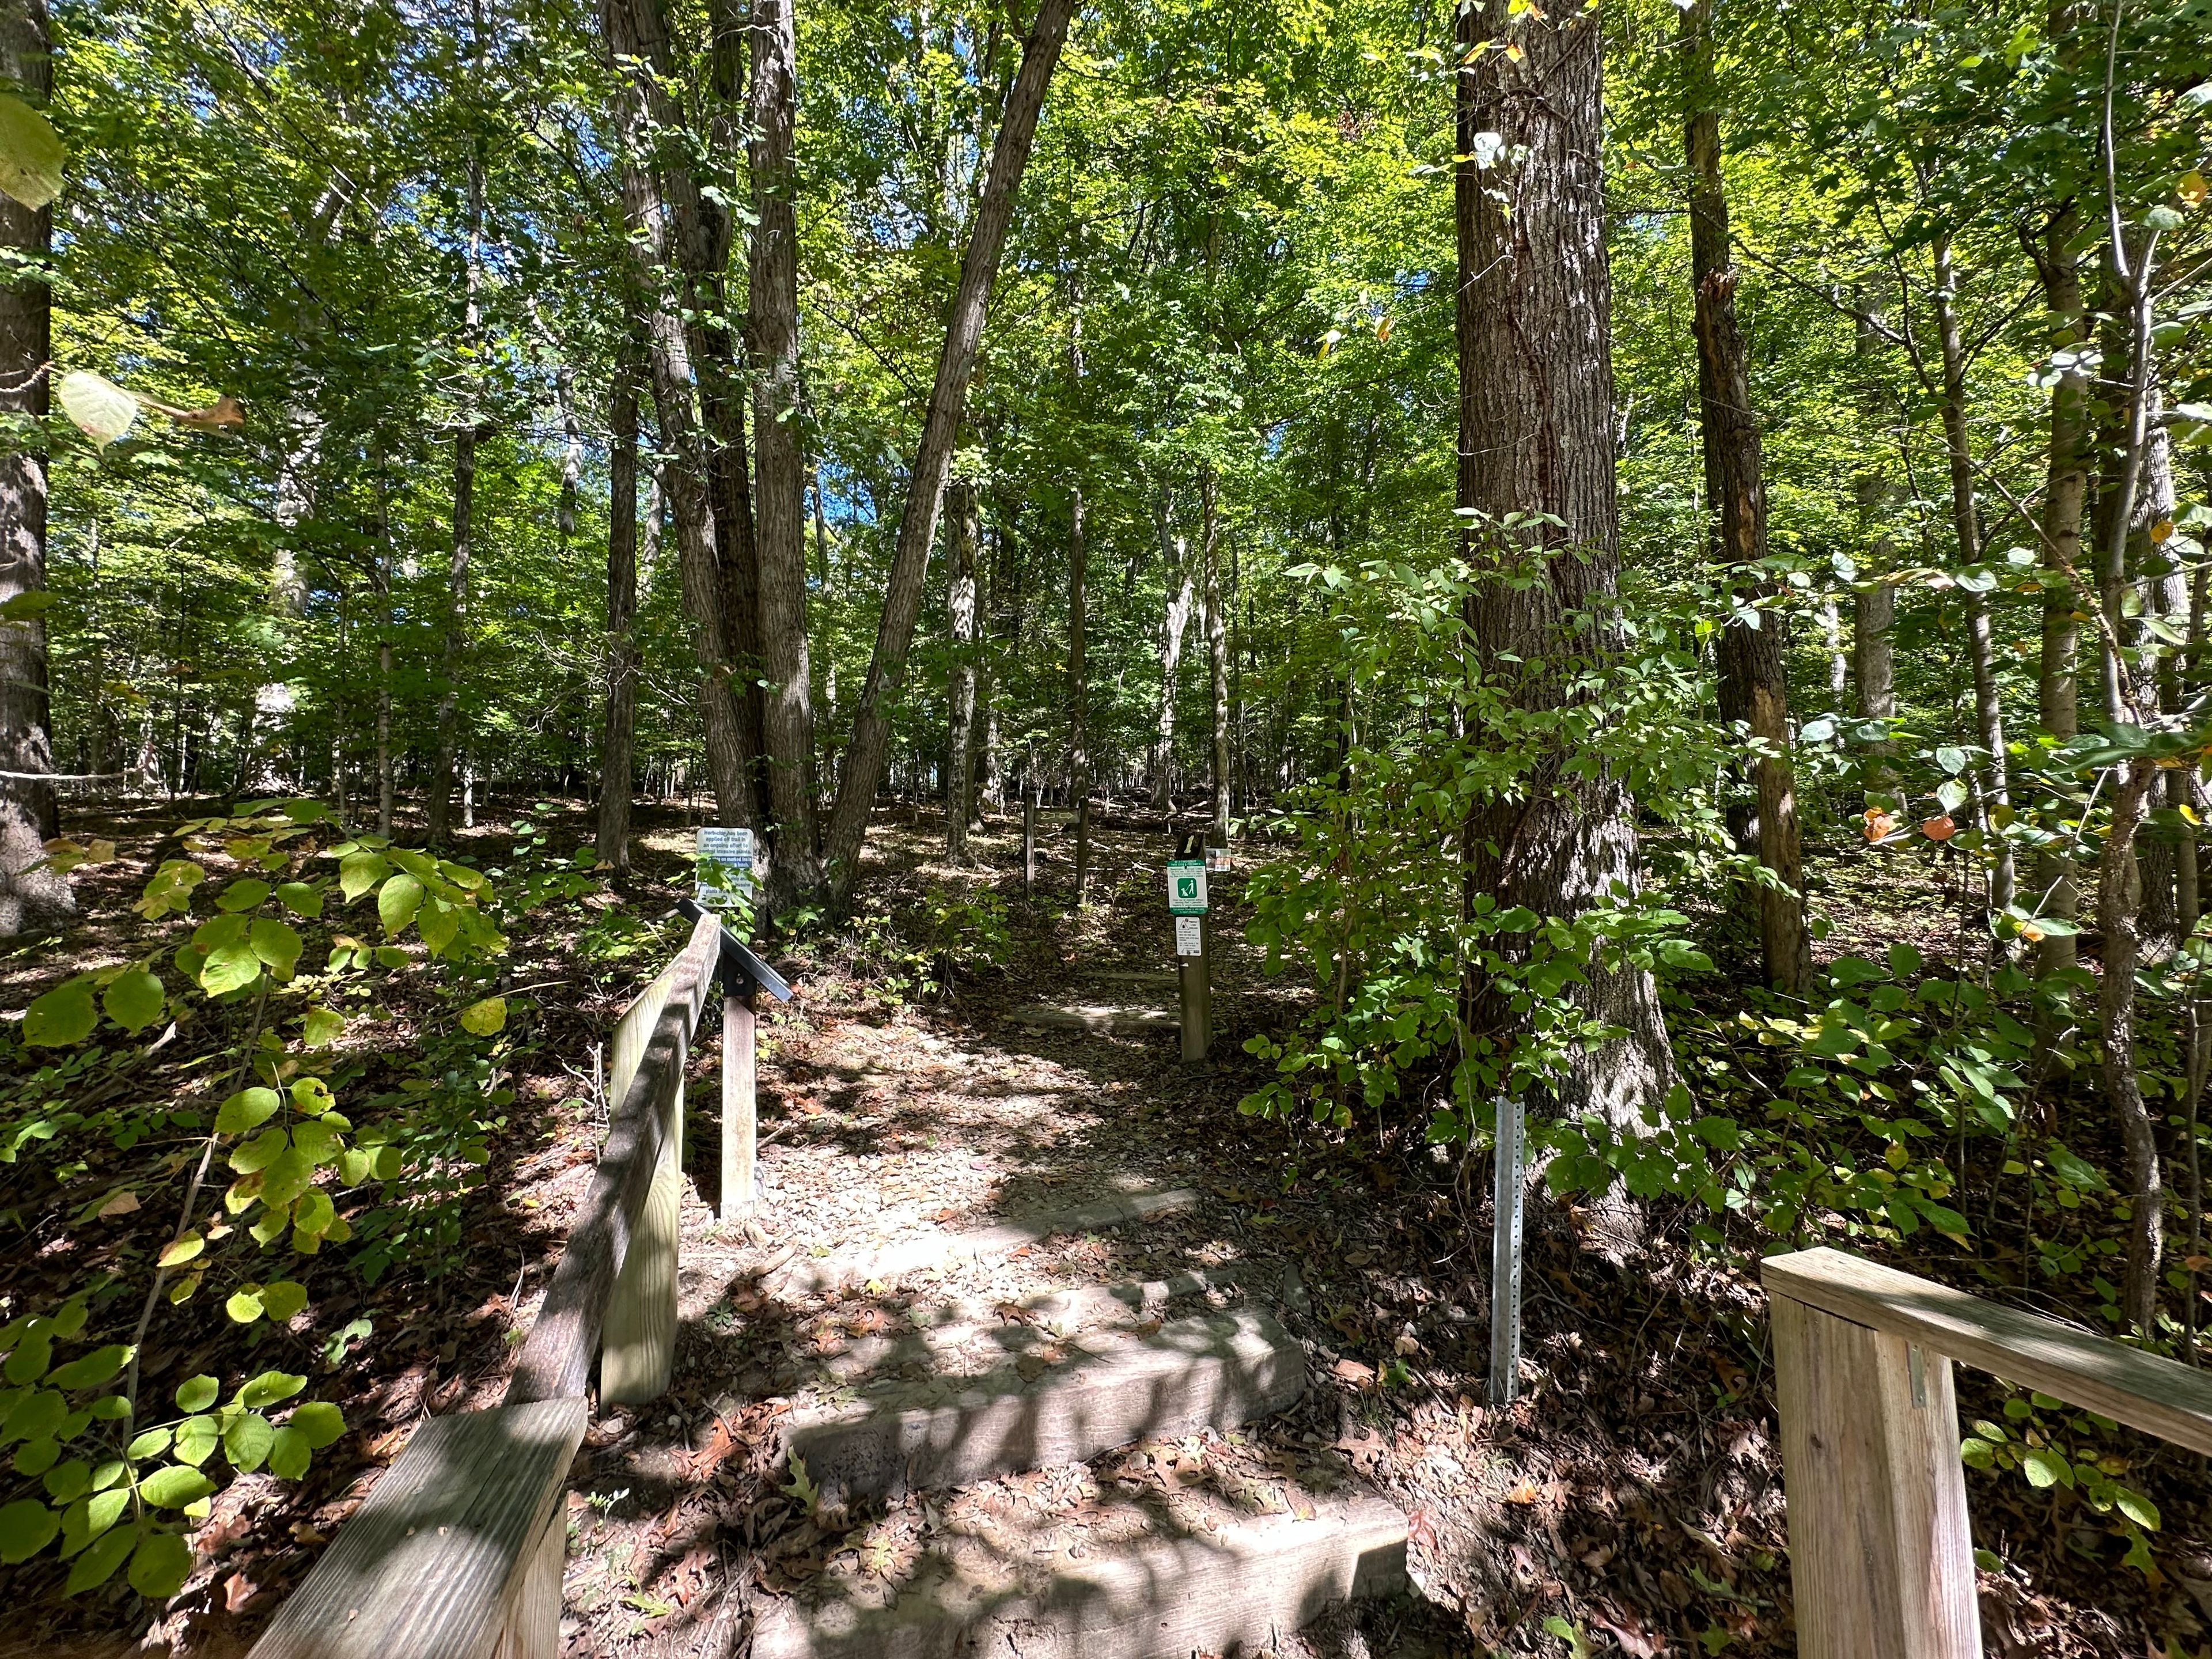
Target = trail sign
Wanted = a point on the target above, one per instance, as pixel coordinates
(1190, 936)
(1187, 887)
(725, 859)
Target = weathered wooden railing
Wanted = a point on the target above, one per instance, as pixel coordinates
(457, 1553)
(1881, 1555)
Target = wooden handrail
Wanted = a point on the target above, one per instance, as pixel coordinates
(2160, 1396)
(557, 1359)
(1880, 1549)
(458, 1551)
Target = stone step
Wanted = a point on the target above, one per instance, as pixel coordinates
(1240, 1587)
(891, 1263)
(1061, 1404)
(962, 1329)
(1106, 1019)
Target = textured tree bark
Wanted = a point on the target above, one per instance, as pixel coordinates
(629, 27)
(618, 734)
(1174, 621)
(33, 899)
(1536, 437)
(1079, 682)
(1754, 680)
(1217, 650)
(960, 689)
(865, 754)
(787, 722)
(2066, 482)
(2165, 598)
(2119, 897)
(1965, 523)
(1874, 604)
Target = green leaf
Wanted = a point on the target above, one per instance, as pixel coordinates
(2044, 1466)
(196, 1394)
(34, 603)
(228, 967)
(1952, 760)
(245, 1442)
(31, 155)
(242, 895)
(268, 1387)
(37, 1415)
(152, 1444)
(26, 1526)
(66, 1482)
(484, 1019)
(196, 1438)
(311, 1216)
(161, 1565)
(320, 1421)
(281, 1299)
(175, 1485)
(321, 1027)
(244, 1306)
(63, 1016)
(98, 1564)
(90, 1370)
(290, 1455)
(300, 899)
(249, 1108)
(259, 1152)
(37, 1456)
(397, 901)
(359, 871)
(135, 1000)
(2137, 1508)
(276, 943)
(29, 1361)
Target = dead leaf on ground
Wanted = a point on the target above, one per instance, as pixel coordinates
(1353, 1372)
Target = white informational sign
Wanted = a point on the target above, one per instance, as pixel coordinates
(1187, 887)
(1217, 861)
(725, 855)
(1190, 936)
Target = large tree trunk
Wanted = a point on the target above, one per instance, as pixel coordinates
(2066, 481)
(1966, 522)
(1873, 602)
(865, 754)
(960, 688)
(1079, 680)
(1174, 621)
(618, 733)
(1537, 438)
(631, 27)
(788, 714)
(1754, 674)
(1217, 651)
(32, 897)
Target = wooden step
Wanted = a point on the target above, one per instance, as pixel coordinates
(1240, 1587)
(1106, 1019)
(809, 1276)
(948, 1332)
(1061, 1404)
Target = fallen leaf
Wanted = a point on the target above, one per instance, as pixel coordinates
(121, 1204)
(1353, 1372)
(1526, 1493)
(237, 1590)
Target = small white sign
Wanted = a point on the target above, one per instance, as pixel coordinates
(1187, 887)
(727, 854)
(1190, 936)
(1217, 861)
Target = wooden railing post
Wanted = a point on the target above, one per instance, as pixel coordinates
(637, 1351)
(1881, 1555)
(740, 1120)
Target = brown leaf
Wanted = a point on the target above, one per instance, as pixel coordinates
(1526, 1493)
(237, 1590)
(1353, 1372)
(121, 1204)
(220, 415)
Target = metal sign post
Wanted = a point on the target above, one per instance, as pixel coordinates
(1506, 1258)
(1187, 904)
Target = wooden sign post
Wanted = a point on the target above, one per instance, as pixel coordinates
(1506, 1258)
(1187, 904)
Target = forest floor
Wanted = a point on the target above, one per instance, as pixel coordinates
(1629, 1502)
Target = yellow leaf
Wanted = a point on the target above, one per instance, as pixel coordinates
(2161, 529)
(1514, 52)
(2193, 189)
(31, 155)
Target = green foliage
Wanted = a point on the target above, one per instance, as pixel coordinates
(2041, 1440)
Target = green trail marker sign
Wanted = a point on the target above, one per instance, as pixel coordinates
(1187, 887)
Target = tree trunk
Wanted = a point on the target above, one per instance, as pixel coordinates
(1217, 651)
(1174, 554)
(384, 664)
(630, 25)
(865, 754)
(1537, 438)
(1079, 676)
(1989, 711)
(2166, 609)
(32, 897)
(2118, 896)
(788, 713)
(2066, 481)
(960, 688)
(1754, 674)
(619, 730)
(1874, 602)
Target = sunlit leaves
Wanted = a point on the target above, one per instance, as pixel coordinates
(103, 411)
(31, 154)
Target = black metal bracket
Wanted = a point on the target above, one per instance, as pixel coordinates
(740, 971)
